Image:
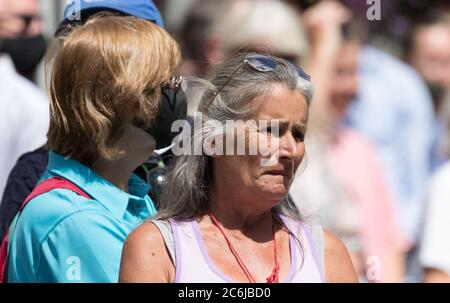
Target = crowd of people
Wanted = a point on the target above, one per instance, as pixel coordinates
(341, 174)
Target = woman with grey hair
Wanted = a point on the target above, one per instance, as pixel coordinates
(226, 216)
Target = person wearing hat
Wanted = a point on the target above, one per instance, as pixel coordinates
(30, 166)
(88, 199)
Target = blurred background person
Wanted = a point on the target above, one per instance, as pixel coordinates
(428, 51)
(215, 29)
(402, 132)
(343, 185)
(435, 245)
(23, 40)
(393, 109)
(24, 109)
(199, 35)
(265, 26)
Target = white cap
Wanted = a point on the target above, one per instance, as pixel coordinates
(268, 23)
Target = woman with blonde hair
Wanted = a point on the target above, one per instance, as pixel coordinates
(105, 85)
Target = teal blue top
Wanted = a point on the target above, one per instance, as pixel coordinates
(63, 237)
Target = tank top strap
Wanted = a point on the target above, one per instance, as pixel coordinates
(193, 264)
(309, 242)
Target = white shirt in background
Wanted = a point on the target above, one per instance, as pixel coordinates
(24, 118)
(435, 251)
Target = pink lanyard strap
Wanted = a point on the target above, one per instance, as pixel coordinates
(274, 276)
(43, 187)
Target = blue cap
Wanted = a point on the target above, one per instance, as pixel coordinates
(144, 9)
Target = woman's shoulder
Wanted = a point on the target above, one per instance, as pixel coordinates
(336, 260)
(57, 203)
(144, 249)
(141, 241)
(338, 264)
(54, 205)
(146, 234)
(53, 208)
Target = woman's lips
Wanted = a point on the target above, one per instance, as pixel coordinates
(278, 172)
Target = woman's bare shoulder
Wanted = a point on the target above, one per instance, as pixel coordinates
(145, 257)
(338, 264)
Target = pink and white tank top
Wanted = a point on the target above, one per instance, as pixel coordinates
(193, 264)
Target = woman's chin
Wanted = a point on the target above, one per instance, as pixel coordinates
(276, 192)
(274, 187)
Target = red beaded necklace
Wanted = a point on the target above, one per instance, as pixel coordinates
(274, 276)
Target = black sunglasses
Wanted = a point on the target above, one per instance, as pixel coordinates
(260, 63)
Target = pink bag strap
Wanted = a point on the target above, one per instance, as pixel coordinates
(54, 183)
(42, 188)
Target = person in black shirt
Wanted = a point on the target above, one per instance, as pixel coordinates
(21, 181)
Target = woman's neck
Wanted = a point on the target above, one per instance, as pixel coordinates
(136, 146)
(234, 212)
(116, 172)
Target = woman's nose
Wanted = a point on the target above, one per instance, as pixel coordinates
(289, 147)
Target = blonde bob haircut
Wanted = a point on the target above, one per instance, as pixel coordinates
(104, 75)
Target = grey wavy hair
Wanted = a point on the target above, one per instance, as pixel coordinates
(186, 192)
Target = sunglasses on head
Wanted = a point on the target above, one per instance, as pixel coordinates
(260, 63)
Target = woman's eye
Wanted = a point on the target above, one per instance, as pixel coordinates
(299, 136)
(270, 131)
(266, 130)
